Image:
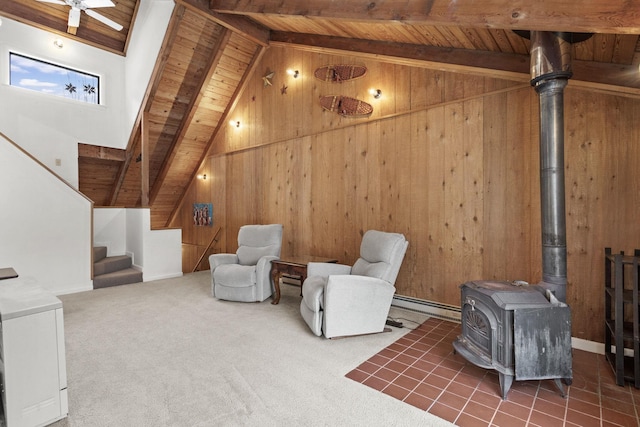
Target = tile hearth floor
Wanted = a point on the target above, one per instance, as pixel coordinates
(421, 370)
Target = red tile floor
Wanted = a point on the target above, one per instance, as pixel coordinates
(421, 370)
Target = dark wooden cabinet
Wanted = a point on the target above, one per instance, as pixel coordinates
(622, 324)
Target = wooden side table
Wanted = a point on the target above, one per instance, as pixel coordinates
(294, 266)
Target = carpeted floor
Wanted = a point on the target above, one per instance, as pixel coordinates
(166, 353)
(421, 370)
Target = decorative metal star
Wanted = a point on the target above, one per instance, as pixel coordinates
(267, 78)
(283, 90)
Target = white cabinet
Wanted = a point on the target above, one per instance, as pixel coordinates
(33, 371)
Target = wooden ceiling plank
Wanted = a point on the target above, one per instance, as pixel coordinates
(502, 40)
(439, 37)
(184, 125)
(603, 47)
(625, 47)
(251, 69)
(461, 37)
(488, 40)
(154, 81)
(518, 43)
(583, 50)
(476, 39)
(429, 34)
(611, 16)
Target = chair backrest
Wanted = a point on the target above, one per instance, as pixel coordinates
(256, 241)
(381, 255)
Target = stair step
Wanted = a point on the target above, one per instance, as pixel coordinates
(121, 277)
(111, 264)
(99, 252)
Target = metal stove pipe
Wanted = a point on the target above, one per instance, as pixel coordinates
(550, 72)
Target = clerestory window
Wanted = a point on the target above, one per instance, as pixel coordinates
(45, 77)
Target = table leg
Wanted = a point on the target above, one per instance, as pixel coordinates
(275, 277)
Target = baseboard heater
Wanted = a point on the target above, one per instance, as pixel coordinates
(431, 308)
(453, 314)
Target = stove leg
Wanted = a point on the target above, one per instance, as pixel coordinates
(505, 384)
(561, 387)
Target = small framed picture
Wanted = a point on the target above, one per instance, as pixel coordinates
(203, 214)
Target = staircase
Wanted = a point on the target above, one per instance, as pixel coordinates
(113, 270)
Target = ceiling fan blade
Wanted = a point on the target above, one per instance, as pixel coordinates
(98, 3)
(103, 19)
(74, 17)
(53, 1)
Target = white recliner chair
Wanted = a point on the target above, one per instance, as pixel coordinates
(340, 300)
(245, 275)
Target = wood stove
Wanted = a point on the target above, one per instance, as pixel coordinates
(524, 332)
(521, 331)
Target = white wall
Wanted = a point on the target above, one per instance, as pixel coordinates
(161, 249)
(50, 127)
(135, 237)
(157, 253)
(146, 39)
(109, 229)
(163, 254)
(45, 225)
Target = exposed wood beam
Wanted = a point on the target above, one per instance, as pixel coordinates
(248, 28)
(103, 153)
(154, 82)
(612, 16)
(448, 59)
(616, 77)
(144, 165)
(214, 60)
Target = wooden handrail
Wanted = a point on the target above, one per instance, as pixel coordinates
(213, 239)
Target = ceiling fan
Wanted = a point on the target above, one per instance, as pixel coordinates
(87, 6)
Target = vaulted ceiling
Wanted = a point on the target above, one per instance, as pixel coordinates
(212, 47)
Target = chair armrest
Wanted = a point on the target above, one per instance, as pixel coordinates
(356, 305)
(264, 287)
(216, 260)
(313, 292)
(263, 267)
(326, 269)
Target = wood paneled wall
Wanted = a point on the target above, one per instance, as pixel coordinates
(450, 160)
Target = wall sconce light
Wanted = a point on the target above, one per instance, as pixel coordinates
(294, 73)
(203, 177)
(58, 43)
(235, 123)
(376, 93)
